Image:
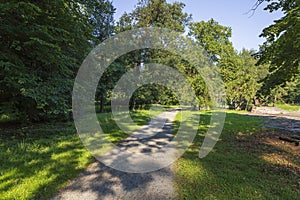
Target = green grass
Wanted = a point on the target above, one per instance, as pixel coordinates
(114, 133)
(238, 167)
(288, 107)
(38, 160)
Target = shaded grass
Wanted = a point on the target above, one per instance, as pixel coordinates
(39, 159)
(237, 168)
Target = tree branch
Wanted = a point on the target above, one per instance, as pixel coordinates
(254, 7)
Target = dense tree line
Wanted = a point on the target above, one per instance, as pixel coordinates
(43, 43)
(42, 46)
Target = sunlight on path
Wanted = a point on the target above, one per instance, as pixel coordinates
(101, 182)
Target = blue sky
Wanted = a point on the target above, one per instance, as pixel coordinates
(246, 29)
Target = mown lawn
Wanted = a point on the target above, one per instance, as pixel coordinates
(38, 160)
(288, 107)
(243, 164)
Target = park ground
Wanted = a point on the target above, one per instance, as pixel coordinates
(248, 162)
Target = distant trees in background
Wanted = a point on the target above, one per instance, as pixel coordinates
(154, 13)
(44, 43)
(239, 70)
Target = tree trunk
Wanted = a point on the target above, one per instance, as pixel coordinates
(256, 101)
(101, 103)
(275, 99)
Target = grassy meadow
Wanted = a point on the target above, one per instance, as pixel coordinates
(39, 159)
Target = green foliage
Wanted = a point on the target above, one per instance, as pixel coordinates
(42, 45)
(34, 45)
(243, 89)
(107, 82)
(293, 95)
(100, 17)
(155, 13)
(238, 71)
(282, 46)
(214, 38)
(287, 92)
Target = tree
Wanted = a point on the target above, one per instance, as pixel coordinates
(101, 17)
(282, 47)
(288, 92)
(215, 40)
(293, 95)
(42, 46)
(153, 13)
(107, 82)
(243, 89)
(239, 71)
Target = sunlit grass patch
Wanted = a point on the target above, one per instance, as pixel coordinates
(112, 130)
(288, 107)
(239, 166)
(37, 165)
(39, 159)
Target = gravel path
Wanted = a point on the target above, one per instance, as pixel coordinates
(284, 120)
(102, 182)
